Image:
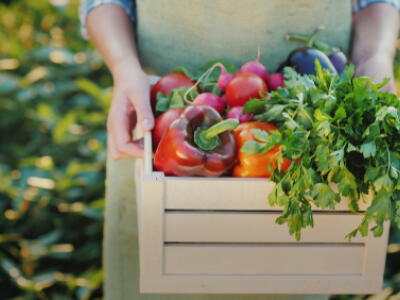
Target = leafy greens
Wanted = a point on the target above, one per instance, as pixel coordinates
(344, 134)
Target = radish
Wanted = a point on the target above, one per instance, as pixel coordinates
(210, 99)
(275, 80)
(255, 67)
(224, 78)
(237, 113)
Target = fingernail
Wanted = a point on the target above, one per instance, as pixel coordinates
(147, 124)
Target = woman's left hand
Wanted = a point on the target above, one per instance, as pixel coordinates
(378, 67)
(375, 32)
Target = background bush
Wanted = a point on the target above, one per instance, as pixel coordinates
(54, 94)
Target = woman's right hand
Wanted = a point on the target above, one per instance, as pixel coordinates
(130, 107)
(112, 32)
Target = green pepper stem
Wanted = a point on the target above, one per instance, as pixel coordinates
(220, 127)
(207, 138)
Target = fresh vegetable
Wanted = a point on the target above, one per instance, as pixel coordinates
(224, 79)
(216, 102)
(275, 80)
(255, 67)
(162, 123)
(199, 143)
(236, 112)
(168, 83)
(216, 80)
(303, 61)
(177, 98)
(348, 136)
(256, 164)
(244, 87)
(336, 56)
(338, 59)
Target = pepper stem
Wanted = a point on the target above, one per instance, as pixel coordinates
(220, 127)
(207, 138)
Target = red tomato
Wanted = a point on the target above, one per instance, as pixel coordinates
(244, 87)
(162, 123)
(167, 83)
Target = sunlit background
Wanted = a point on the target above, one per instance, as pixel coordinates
(54, 94)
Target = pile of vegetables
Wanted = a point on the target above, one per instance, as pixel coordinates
(197, 131)
(319, 136)
(303, 59)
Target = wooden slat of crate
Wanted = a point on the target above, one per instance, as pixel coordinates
(224, 194)
(264, 259)
(250, 227)
(254, 284)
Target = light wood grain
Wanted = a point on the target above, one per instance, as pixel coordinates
(226, 193)
(150, 210)
(376, 253)
(254, 227)
(217, 235)
(200, 284)
(148, 154)
(268, 259)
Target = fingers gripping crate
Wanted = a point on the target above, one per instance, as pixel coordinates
(218, 235)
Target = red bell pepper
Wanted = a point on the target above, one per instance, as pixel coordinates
(199, 143)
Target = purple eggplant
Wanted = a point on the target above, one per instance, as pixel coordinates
(338, 59)
(303, 61)
(336, 56)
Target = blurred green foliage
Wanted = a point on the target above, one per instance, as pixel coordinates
(54, 93)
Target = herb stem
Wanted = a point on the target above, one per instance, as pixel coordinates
(389, 160)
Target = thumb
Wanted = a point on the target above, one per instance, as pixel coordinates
(145, 114)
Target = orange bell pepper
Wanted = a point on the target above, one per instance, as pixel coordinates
(255, 165)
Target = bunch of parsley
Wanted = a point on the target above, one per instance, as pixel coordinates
(343, 132)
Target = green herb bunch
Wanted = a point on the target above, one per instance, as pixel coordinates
(343, 135)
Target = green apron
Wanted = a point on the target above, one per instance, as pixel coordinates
(189, 33)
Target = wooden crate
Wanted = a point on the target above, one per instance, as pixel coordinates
(218, 235)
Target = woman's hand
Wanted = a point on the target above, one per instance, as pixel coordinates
(112, 32)
(375, 31)
(378, 67)
(130, 107)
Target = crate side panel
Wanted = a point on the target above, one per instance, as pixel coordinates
(268, 259)
(255, 227)
(375, 253)
(151, 228)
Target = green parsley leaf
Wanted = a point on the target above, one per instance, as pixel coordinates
(324, 196)
(368, 149)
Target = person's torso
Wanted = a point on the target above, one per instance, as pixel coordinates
(189, 33)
